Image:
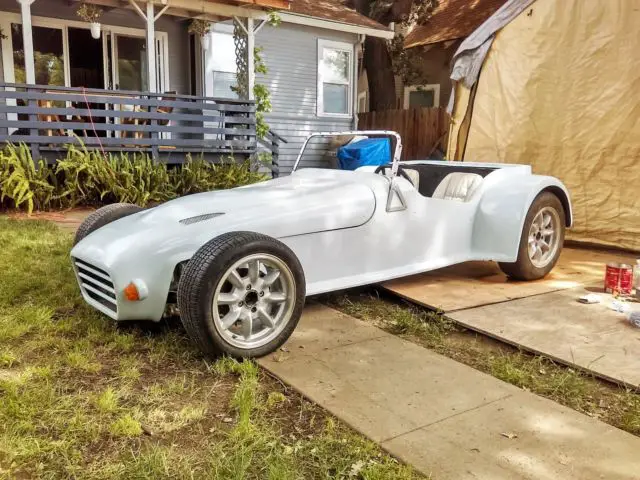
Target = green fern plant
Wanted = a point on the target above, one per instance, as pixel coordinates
(24, 182)
(86, 177)
(198, 175)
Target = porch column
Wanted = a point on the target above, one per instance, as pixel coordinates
(150, 18)
(151, 47)
(27, 40)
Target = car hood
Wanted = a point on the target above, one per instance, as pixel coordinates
(310, 200)
(339, 199)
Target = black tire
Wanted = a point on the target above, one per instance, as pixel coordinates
(523, 268)
(206, 270)
(104, 216)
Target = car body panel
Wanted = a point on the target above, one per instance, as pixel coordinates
(338, 223)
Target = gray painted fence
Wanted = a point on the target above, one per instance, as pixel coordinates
(47, 118)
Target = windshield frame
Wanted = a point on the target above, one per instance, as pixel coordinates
(384, 133)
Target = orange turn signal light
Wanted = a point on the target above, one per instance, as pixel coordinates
(131, 292)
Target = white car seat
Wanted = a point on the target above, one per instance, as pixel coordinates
(458, 186)
(414, 176)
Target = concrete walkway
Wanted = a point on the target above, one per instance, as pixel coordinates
(446, 419)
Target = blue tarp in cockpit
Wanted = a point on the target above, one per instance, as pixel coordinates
(367, 152)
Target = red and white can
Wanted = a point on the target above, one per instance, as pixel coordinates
(618, 278)
(626, 279)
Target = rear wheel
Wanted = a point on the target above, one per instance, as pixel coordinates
(104, 216)
(242, 295)
(541, 239)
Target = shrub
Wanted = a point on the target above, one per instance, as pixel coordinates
(24, 182)
(91, 179)
(86, 177)
(198, 175)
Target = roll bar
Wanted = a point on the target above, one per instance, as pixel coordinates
(388, 133)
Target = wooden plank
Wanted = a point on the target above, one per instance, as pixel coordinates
(121, 100)
(154, 128)
(163, 150)
(474, 284)
(196, 116)
(96, 141)
(88, 91)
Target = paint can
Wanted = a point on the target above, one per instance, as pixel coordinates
(618, 278)
(612, 278)
(626, 279)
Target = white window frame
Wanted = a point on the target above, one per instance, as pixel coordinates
(363, 96)
(343, 47)
(435, 87)
(209, 84)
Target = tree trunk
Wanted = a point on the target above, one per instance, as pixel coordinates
(382, 84)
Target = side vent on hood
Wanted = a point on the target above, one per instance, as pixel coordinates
(199, 218)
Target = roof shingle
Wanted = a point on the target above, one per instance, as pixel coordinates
(452, 19)
(334, 10)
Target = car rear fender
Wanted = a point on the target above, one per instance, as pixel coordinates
(502, 211)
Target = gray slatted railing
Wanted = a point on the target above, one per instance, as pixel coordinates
(47, 118)
(272, 142)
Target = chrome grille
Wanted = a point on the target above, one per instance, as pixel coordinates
(96, 284)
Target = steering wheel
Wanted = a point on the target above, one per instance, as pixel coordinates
(383, 170)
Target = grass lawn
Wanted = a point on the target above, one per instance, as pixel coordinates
(82, 398)
(603, 400)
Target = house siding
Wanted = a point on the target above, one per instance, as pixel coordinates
(290, 52)
(175, 29)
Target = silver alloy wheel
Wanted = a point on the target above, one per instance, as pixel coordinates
(544, 237)
(253, 301)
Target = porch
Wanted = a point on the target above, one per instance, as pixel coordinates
(139, 87)
(166, 126)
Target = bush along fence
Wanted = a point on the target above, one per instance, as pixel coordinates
(87, 178)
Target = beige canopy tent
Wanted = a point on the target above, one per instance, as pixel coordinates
(557, 85)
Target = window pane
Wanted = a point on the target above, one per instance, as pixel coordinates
(223, 53)
(336, 98)
(334, 67)
(47, 54)
(421, 98)
(132, 63)
(222, 83)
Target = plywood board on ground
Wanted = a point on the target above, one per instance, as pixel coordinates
(474, 284)
(591, 337)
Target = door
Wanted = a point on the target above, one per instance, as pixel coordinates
(130, 54)
(86, 67)
(125, 60)
(125, 65)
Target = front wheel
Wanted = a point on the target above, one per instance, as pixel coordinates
(241, 294)
(541, 239)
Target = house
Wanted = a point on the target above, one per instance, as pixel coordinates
(556, 85)
(432, 46)
(146, 51)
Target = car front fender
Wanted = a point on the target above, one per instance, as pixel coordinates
(502, 211)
